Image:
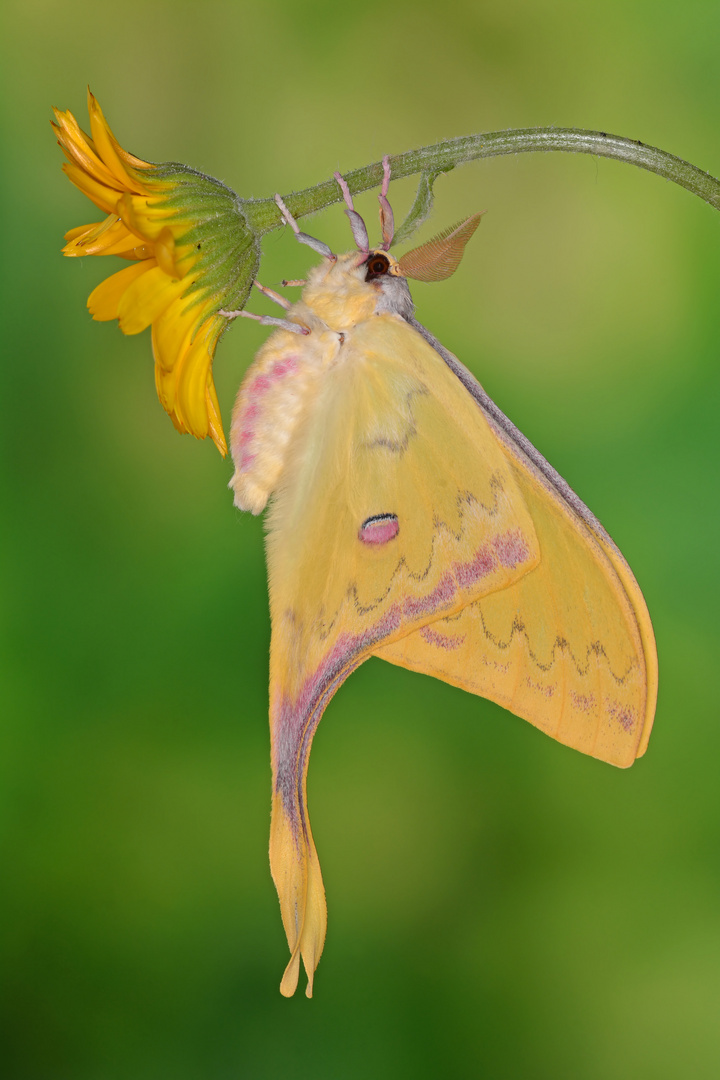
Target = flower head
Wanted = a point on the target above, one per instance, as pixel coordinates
(191, 254)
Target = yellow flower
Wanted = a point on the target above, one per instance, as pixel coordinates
(191, 254)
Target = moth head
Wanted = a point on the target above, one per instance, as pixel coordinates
(434, 260)
(380, 264)
(383, 273)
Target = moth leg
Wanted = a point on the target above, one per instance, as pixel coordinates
(303, 238)
(357, 224)
(294, 283)
(267, 320)
(387, 218)
(272, 295)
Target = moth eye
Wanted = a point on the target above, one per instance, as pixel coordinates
(377, 265)
(378, 529)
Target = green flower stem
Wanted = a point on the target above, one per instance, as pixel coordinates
(263, 215)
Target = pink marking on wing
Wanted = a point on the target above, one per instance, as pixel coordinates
(379, 531)
(294, 721)
(440, 597)
(262, 383)
(281, 368)
(483, 563)
(546, 691)
(252, 409)
(441, 641)
(583, 702)
(624, 715)
(243, 445)
(511, 548)
(346, 646)
(259, 386)
(495, 664)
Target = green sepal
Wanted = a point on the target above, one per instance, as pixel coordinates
(228, 248)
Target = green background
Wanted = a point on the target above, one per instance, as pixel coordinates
(500, 906)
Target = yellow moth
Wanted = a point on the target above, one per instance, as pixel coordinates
(412, 521)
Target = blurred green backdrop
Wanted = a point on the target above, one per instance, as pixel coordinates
(500, 906)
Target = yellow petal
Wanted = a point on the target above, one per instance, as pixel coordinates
(105, 238)
(165, 384)
(147, 298)
(103, 196)
(103, 301)
(214, 419)
(78, 148)
(165, 253)
(72, 234)
(172, 333)
(105, 146)
(186, 391)
(190, 402)
(141, 251)
(71, 130)
(110, 238)
(126, 245)
(194, 379)
(145, 217)
(129, 160)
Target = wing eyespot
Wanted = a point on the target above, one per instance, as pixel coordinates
(379, 529)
